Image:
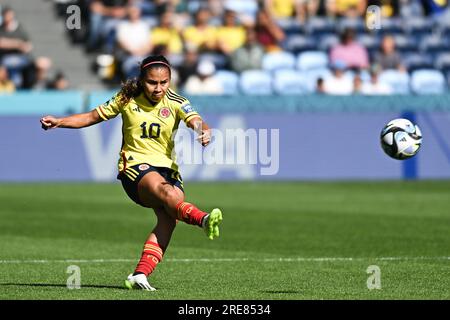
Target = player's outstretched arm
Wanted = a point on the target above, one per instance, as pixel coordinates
(75, 121)
(202, 129)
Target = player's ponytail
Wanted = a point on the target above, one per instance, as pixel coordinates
(133, 87)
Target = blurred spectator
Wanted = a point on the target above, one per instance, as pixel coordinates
(320, 86)
(231, 35)
(133, 35)
(357, 84)
(201, 35)
(105, 15)
(204, 82)
(282, 9)
(59, 82)
(248, 56)
(133, 42)
(14, 46)
(347, 8)
(245, 10)
(189, 65)
(6, 85)
(434, 7)
(389, 8)
(39, 78)
(268, 33)
(338, 83)
(165, 34)
(308, 8)
(374, 86)
(388, 57)
(353, 54)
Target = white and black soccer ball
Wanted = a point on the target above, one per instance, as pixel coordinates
(401, 139)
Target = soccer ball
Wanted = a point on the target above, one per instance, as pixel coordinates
(401, 139)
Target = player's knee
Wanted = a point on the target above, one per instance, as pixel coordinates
(170, 196)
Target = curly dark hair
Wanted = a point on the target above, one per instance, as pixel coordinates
(133, 87)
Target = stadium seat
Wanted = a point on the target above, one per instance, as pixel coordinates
(419, 26)
(390, 26)
(220, 61)
(398, 81)
(229, 80)
(318, 26)
(442, 62)
(278, 60)
(312, 60)
(406, 44)
(357, 24)
(415, 61)
(428, 81)
(291, 27)
(256, 82)
(434, 45)
(289, 82)
(328, 41)
(299, 43)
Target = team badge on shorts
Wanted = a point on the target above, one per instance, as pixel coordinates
(164, 112)
(144, 167)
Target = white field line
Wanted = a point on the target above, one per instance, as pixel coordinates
(298, 259)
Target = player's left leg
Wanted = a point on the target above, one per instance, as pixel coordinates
(153, 188)
(153, 251)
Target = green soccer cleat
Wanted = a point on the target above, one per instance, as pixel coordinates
(211, 223)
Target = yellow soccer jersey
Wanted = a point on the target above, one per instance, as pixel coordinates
(147, 129)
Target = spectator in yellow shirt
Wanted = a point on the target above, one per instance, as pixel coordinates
(231, 35)
(200, 36)
(166, 34)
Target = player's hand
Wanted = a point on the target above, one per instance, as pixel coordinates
(49, 122)
(205, 137)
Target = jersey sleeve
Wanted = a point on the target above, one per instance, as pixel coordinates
(186, 111)
(110, 109)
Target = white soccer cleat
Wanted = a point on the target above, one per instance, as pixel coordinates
(138, 281)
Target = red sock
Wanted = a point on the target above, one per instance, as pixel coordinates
(151, 256)
(190, 214)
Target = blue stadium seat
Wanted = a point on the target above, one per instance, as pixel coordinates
(442, 62)
(415, 61)
(434, 45)
(371, 42)
(220, 61)
(398, 81)
(357, 24)
(327, 42)
(418, 26)
(291, 26)
(318, 26)
(406, 44)
(289, 82)
(256, 82)
(299, 43)
(229, 80)
(428, 81)
(312, 60)
(390, 26)
(278, 60)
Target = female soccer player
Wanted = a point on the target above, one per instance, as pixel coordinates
(150, 114)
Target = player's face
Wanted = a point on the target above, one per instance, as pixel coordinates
(156, 81)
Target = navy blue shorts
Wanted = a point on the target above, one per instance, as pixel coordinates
(132, 175)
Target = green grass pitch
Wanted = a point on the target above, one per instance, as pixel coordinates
(279, 241)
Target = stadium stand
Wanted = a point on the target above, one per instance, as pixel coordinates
(297, 41)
